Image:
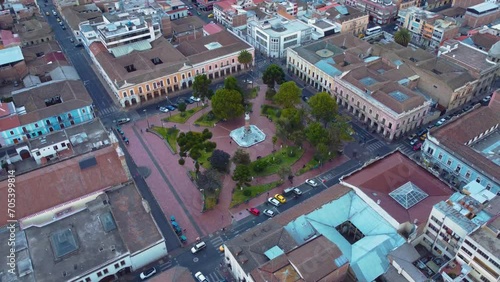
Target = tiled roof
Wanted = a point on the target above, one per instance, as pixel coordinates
(212, 28)
(485, 40)
(378, 179)
(73, 94)
(65, 181)
(174, 274)
(458, 132)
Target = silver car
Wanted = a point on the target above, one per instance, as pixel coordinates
(311, 182)
(273, 201)
(269, 213)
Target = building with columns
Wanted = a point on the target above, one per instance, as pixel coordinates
(158, 68)
(380, 95)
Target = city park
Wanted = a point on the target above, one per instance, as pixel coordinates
(224, 142)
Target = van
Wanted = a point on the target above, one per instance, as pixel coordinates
(293, 190)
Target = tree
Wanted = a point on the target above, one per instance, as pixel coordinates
(193, 144)
(230, 83)
(288, 95)
(272, 75)
(182, 108)
(242, 174)
(209, 180)
(284, 172)
(227, 104)
(323, 107)
(220, 160)
(290, 124)
(241, 157)
(245, 58)
(402, 37)
(201, 86)
(316, 134)
(275, 139)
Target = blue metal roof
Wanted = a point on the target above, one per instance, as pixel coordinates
(326, 66)
(274, 252)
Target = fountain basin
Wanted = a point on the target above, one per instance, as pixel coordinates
(247, 138)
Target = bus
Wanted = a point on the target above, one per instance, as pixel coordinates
(373, 30)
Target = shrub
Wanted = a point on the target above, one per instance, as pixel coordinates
(247, 193)
(270, 93)
(182, 161)
(277, 114)
(259, 166)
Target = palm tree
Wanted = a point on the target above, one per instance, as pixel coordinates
(402, 36)
(245, 58)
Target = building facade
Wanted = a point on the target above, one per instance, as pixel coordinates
(273, 36)
(482, 14)
(350, 19)
(380, 11)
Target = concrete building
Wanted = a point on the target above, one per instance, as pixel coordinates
(45, 108)
(381, 96)
(230, 15)
(380, 11)
(273, 36)
(318, 63)
(482, 14)
(452, 220)
(466, 3)
(428, 28)
(483, 66)
(108, 235)
(74, 15)
(480, 251)
(353, 244)
(466, 148)
(158, 68)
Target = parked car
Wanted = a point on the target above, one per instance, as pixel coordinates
(305, 98)
(486, 100)
(198, 247)
(269, 213)
(430, 126)
(122, 121)
(311, 182)
(422, 132)
(196, 99)
(411, 137)
(189, 101)
(79, 45)
(63, 27)
(417, 147)
(423, 137)
(170, 107)
(280, 198)
(293, 190)
(119, 130)
(54, 13)
(47, 13)
(163, 110)
(440, 122)
(148, 273)
(58, 19)
(200, 277)
(254, 211)
(414, 141)
(210, 16)
(273, 201)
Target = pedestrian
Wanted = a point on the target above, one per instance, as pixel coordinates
(184, 230)
(230, 142)
(141, 130)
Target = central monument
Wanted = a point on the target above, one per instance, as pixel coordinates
(248, 135)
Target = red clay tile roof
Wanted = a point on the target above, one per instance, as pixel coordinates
(9, 123)
(381, 177)
(62, 182)
(225, 5)
(212, 28)
(458, 132)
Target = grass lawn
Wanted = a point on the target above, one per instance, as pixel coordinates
(203, 160)
(239, 198)
(270, 111)
(312, 164)
(170, 134)
(270, 164)
(207, 120)
(179, 118)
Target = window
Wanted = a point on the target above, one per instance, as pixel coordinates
(83, 110)
(467, 175)
(448, 162)
(122, 263)
(38, 153)
(466, 251)
(488, 187)
(131, 92)
(484, 279)
(494, 263)
(147, 88)
(130, 68)
(87, 279)
(99, 274)
(63, 145)
(458, 168)
(440, 156)
(140, 89)
(478, 179)
(168, 81)
(433, 228)
(117, 265)
(106, 271)
(433, 218)
(483, 254)
(11, 132)
(36, 125)
(55, 147)
(175, 79)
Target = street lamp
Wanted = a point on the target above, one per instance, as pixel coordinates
(146, 112)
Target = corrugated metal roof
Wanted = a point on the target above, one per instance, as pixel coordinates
(11, 55)
(129, 48)
(325, 66)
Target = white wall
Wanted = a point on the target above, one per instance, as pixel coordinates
(148, 256)
(236, 269)
(49, 150)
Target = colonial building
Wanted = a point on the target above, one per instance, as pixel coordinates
(461, 150)
(381, 96)
(45, 108)
(380, 11)
(157, 68)
(351, 20)
(230, 15)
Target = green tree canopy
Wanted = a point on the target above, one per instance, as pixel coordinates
(241, 157)
(272, 75)
(227, 104)
(201, 86)
(230, 83)
(288, 95)
(290, 124)
(317, 134)
(245, 58)
(242, 174)
(323, 107)
(402, 37)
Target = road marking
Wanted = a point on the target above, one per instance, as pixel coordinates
(214, 276)
(165, 266)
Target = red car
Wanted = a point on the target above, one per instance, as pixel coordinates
(417, 146)
(254, 211)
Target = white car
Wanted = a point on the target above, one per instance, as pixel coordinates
(163, 110)
(248, 81)
(122, 121)
(311, 182)
(440, 122)
(200, 277)
(273, 201)
(198, 247)
(414, 141)
(269, 213)
(486, 99)
(148, 273)
(196, 99)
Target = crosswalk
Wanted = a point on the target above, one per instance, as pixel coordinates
(165, 266)
(216, 241)
(407, 150)
(373, 145)
(214, 276)
(107, 111)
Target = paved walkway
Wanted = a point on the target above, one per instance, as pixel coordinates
(170, 183)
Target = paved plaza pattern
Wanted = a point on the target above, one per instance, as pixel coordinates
(176, 193)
